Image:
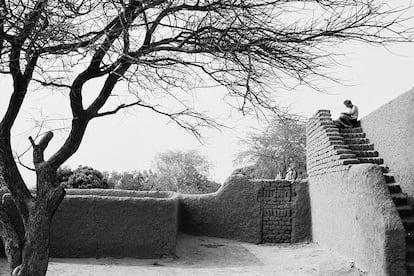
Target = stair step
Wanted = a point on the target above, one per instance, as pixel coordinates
(356, 140)
(410, 253)
(389, 178)
(360, 147)
(378, 161)
(332, 129)
(351, 130)
(405, 211)
(347, 156)
(347, 135)
(350, 161)
(339, 147)
(366, 153)
(344, 151)
(408, 223)
(409, 238)
(336, 142)
(399, 199)
(326, 125)
(394, 188)
(385, 169)
(410, 268)
(334, 134)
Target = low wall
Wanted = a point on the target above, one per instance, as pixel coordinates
(115, 223)
(391, 129)
(121, 193)
(231, 212)
(119, 223)
(353, 214)
(250, 210)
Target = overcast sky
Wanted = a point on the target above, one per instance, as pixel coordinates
(129, 140)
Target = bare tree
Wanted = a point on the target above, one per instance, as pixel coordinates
(156, 48)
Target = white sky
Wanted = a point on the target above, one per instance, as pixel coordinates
(129, 141)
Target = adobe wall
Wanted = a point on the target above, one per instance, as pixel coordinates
(99, 223)
(351, 209)
(250, 210)
(391, 129)
(144, 224)
(231, 212)
(353, 214)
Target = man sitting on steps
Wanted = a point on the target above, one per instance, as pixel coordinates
(348, 119)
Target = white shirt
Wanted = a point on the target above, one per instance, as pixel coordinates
(353, 112)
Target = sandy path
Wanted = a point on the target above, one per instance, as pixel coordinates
(213, 256)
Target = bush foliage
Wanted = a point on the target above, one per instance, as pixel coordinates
(82, 178)
(179, 171)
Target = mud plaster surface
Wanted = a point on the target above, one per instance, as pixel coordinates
(213, 256)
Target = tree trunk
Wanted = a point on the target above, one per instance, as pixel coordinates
(35, 255)
(10, 240)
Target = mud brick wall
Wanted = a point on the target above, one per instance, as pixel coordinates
(259, 211)
(232, 212)
(354, 215)
(277, 199)
(326, 151)
(111, 223)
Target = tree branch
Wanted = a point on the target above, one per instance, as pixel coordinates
(19, 161)
(107, 89)
(52, 83)
(118, 108)
(39, 149)
(30, 21)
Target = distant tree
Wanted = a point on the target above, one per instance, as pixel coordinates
(184, 172)
(271, 152)
(81, 178)
(134, 180)
(112, 178)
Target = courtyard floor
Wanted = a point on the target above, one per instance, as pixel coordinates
(213, 256)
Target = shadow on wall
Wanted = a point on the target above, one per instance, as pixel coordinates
(302, 217)
(240, 210)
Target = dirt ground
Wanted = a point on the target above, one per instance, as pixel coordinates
(213, 256)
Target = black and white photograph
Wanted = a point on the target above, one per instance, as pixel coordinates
(207, 137)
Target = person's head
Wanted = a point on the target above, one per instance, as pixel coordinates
(348, 103)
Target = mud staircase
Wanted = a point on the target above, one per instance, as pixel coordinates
(357, 146)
